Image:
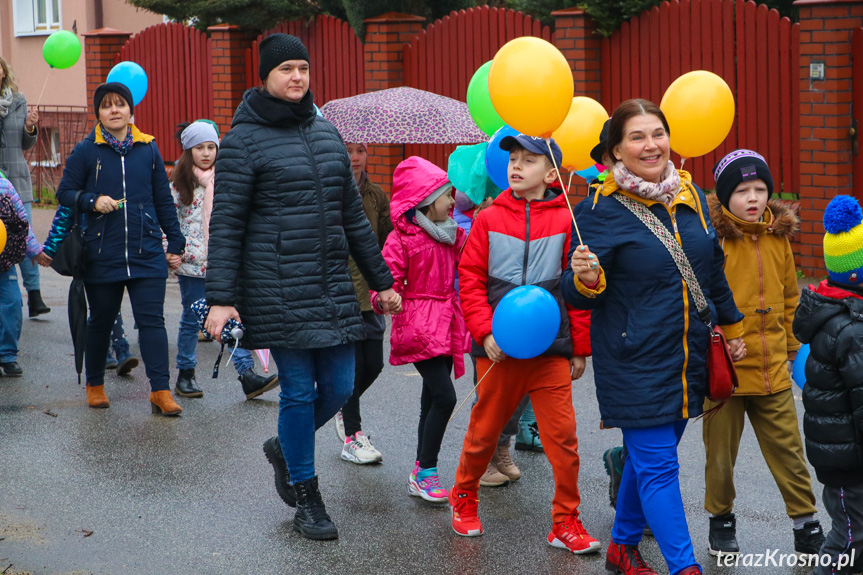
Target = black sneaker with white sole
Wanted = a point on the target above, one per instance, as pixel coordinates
(723, 535)
(809, 539)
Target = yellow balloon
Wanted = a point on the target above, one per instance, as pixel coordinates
(2, 236)
(579, 133)
(699, 107)
(531, 86)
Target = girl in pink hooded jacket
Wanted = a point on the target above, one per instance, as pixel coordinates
(423, 253)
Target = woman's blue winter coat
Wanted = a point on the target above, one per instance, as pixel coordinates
(126, 243)
(649, 345)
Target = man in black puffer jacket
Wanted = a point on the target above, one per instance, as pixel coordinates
(830, 319)
(286, 215)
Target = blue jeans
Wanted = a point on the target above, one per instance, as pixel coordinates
(29, 272)
(11, 315)
(304, 406)
(650, 493)
(191, 290)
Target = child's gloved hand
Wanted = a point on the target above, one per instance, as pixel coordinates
(493, 352)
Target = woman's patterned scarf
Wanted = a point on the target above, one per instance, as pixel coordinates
(664, 191)
(6, 99)
(121, 148)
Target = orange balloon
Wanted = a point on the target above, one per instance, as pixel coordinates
(699, 107)
(531, 86)
(2, 236)
(579, 133)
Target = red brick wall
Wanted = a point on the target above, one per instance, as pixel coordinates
(386, 36)
(228, 45)
(825, 110)
(574, 36)
(100, 51)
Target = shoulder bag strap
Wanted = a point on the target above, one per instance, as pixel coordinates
(677, 254)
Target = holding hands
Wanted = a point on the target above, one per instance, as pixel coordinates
(737, 348)
(391, 301)
(174, 261)
(585, 265)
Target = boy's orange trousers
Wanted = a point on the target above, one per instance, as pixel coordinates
(548, 381)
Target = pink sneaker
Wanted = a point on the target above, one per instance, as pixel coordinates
(425, 483)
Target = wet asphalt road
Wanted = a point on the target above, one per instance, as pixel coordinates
(120, 491)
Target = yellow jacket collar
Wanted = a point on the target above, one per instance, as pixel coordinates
(686, 195)
(137, 135)
(751, 227)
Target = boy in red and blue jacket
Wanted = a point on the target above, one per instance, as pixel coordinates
(523, 238)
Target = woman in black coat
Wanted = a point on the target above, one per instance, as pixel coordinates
(286, 215)
(127, 204)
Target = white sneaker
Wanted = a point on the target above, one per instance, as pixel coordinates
(358, 449)
(340, 426)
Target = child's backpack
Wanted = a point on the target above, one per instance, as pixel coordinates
(16, 235)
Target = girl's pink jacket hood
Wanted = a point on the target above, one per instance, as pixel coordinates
(413, 181)
(431, 323)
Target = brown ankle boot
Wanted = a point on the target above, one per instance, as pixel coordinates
(502, 459)
(163, 402)
(96, 396)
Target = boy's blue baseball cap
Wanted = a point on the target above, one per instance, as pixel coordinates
(535, 146)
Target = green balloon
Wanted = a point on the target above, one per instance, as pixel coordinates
(466, 170)
(62, 49)
(479, 102)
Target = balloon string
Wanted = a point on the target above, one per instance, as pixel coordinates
(682, 161)
(565, 190)
(569, 183)
(43, 85)
(471, 392)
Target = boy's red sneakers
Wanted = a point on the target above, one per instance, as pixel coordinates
(465, 520)
(627, 560)
(571, 534)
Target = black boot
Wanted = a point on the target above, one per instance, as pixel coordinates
(723, 535)
(311, 520)
(809, 539)
(254, 384)
(35, 303)
(273, 451)
(11, 369)
(187, 386)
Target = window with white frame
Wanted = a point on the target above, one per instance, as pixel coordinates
(36, 16)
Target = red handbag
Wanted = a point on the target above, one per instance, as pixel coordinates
(721, 375)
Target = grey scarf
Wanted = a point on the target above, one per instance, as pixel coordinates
(6, 99)
(443, 232)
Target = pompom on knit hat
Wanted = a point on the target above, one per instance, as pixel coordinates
(843, 242)
(115, 87)
(278, 48)
(737, 167)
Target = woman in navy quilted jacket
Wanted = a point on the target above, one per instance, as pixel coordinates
(127, 204)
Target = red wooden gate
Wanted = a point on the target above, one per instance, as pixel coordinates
(443, 57)
(755, 51)
(179, 70)
(857, 110)
(336, 53)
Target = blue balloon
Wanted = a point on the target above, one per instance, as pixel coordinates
(318, 110)
(133, 77)
(588, 173)
(798, 370)
(525, 322)
(497, 160)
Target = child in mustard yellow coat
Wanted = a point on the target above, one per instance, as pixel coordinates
(759, 266)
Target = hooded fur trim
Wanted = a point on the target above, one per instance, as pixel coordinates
(784, 225)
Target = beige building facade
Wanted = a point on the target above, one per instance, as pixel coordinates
(25, 24)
